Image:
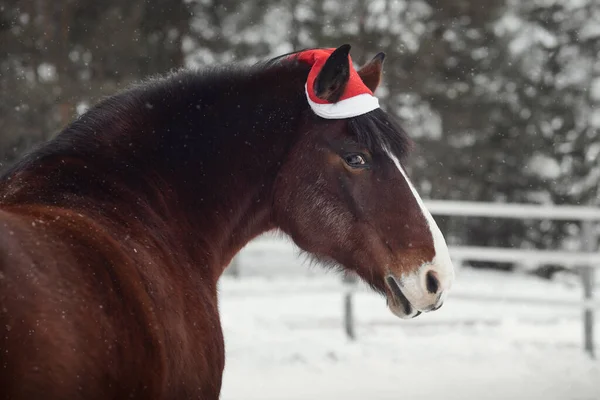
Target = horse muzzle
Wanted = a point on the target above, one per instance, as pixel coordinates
(422, 291)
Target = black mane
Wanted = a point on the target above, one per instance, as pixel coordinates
(377, 130)
(132, 109)
(145, 105)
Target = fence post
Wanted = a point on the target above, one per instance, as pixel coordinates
(587, 280)
(349, 282)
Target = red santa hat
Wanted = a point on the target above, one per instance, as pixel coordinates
(357, 98)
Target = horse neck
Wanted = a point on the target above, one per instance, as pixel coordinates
(222, 155)
(195, 159)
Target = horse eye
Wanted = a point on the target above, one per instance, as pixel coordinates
(355, 160)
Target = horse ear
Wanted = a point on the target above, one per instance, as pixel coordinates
(332, 79)
(370, 73)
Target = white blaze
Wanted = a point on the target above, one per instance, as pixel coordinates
(414, 285)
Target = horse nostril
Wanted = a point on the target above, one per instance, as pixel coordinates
(431, 282)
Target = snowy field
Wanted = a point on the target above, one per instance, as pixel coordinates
(284, 339)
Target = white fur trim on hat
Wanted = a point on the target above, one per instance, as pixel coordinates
(346, 108)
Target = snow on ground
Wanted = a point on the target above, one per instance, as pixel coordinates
(285, 340)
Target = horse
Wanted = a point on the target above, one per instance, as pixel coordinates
(114, 233)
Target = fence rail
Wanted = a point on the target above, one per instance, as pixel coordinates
(569, 259)
(512, 210)
(313, 289)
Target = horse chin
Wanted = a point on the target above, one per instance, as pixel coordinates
(400, 312)
(398, 303)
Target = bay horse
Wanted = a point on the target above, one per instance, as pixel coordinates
(113, 234)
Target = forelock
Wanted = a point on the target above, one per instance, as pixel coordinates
(378, 132)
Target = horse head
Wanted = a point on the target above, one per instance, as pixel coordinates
(343, 194)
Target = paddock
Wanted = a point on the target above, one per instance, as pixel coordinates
(284, 339)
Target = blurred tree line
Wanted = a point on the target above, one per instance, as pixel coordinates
(501, 96)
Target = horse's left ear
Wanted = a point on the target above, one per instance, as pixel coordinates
(370, 73)
(332, 79)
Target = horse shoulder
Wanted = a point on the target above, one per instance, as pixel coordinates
(81, 303)
(71, 311)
